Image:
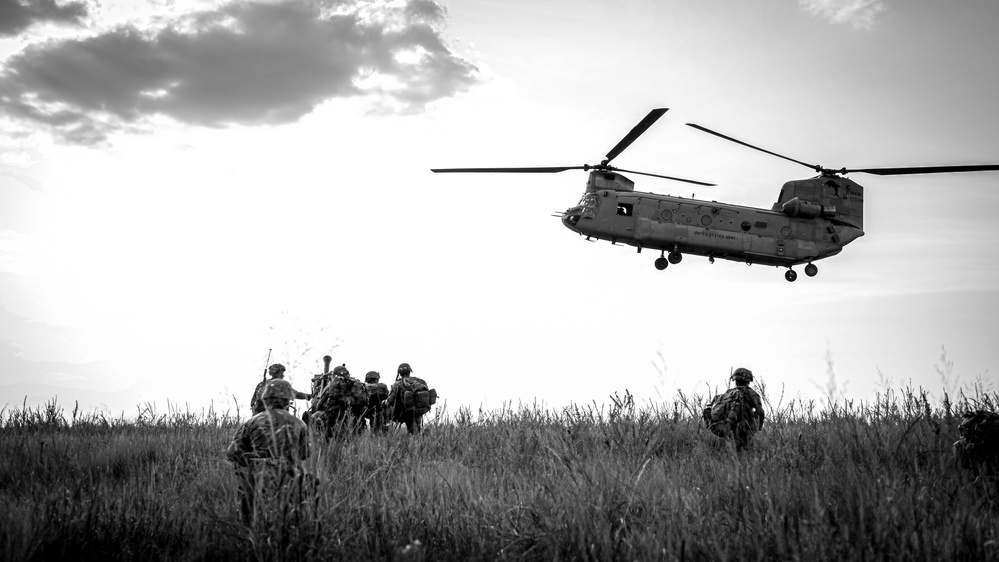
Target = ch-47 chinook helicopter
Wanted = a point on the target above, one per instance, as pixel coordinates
(812, 219)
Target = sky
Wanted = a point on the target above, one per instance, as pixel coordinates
(188, 187)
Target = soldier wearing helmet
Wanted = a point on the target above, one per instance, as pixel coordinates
(341, 405)
(375, 414)
(737, 413)
(267, 452)
(276, 372)
(409, 399)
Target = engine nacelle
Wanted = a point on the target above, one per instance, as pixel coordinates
(798, 208)
(610, 181)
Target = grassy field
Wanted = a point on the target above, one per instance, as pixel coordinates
(872, 481)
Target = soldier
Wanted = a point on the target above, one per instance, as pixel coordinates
(738, 413)
(978, 448)
(276, 371)
(341, 404)
(267, 452)
(377, 393)
(410, 399)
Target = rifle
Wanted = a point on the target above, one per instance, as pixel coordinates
(267, 364)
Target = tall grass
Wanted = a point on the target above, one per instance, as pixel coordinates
(844, 481)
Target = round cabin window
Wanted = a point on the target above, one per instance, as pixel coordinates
(746, 225)
(667, 214)
(706, 220)
(785, 231)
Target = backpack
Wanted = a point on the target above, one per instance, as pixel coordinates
(346, 393)
(319, 383)
(732, 407)
(377, 391)
(416, 396)
(256, 403)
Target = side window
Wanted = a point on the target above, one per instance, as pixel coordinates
(625, 209)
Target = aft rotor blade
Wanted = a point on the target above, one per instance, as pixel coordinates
(665, 177)
(746, 144)
(924, 170)
(542, 170)
(636, 132)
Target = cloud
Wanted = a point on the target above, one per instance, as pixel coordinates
(18, 15)
(245, 63)
(858, 13)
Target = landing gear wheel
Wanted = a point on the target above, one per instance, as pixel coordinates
(675, 257)
(661, 263)
(790, 275)
(811, 270)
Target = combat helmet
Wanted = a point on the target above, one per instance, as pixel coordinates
(341, 371)
(277, 393)
(276, 370)
(742, 376)
(372, 376)
(404, 368)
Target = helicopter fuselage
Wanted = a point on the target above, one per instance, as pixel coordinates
(803, 226)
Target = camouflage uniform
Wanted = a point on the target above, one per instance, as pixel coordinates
(738, 412)
(376, 414)
(978, 448)
(276, 371)
(340, 407)
(267, 452)
(397, 408)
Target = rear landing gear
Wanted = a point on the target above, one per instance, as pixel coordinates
(661, 263)
(675, 257)
(790, 275)
(811, 270)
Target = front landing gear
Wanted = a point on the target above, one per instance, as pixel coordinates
(791, 275)
(811, 270)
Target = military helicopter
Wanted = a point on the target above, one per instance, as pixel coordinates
(812, 219)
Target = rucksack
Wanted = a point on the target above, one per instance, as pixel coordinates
(416, 396)
(732, 407)
(319, 383)
(377, 391)
(346, 393)
(256, 404)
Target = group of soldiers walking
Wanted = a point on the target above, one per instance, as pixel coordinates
(340, 403)
(267, 451)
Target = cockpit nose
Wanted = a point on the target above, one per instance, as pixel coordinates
(571, 217)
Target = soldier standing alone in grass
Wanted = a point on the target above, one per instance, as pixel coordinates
(276, 371)
(410, 399)
(737, 413)
(267, 452)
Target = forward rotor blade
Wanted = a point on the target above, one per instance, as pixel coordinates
(542, 170)
(924, 170)
(665, 177)
(746, 144)
(636, 132)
